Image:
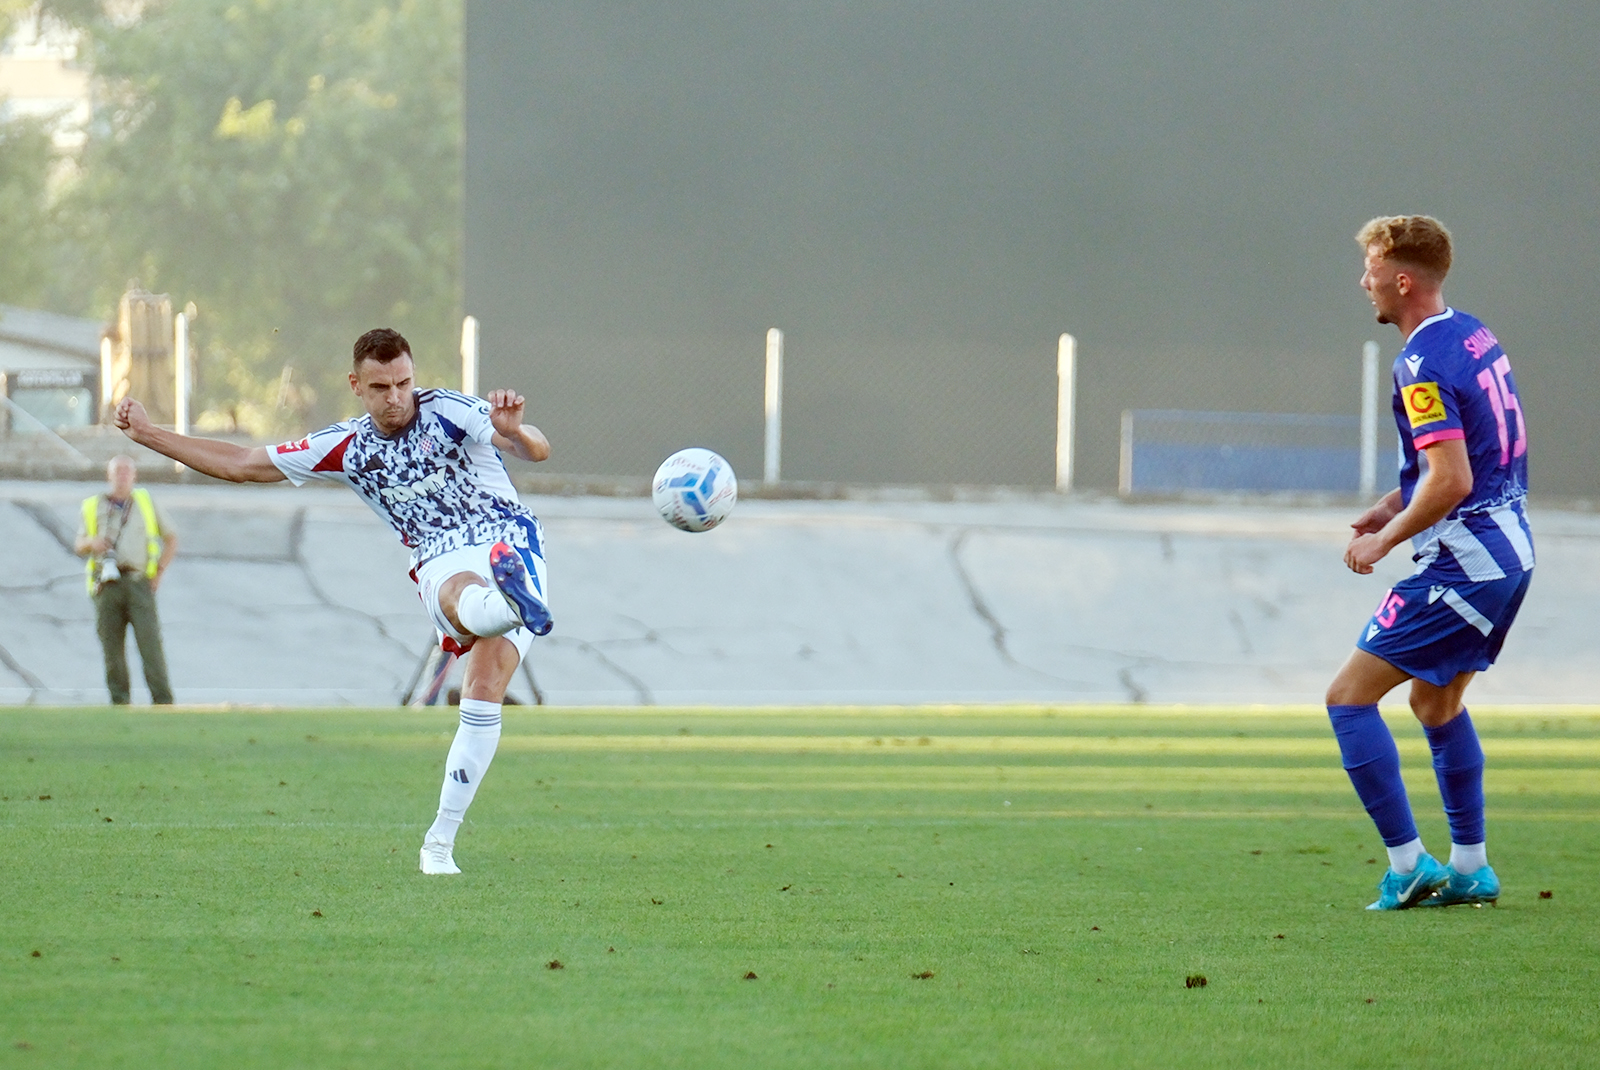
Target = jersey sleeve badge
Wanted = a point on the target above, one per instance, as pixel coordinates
(294, 447)
(1423, 404)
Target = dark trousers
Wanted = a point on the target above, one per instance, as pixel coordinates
(131, 601)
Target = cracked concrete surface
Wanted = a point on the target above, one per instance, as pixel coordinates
(287, 596)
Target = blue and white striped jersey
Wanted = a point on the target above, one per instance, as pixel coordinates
(1452, 380)
(440, 483)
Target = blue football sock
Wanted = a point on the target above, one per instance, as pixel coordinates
(1373, 763)
(1458, 766)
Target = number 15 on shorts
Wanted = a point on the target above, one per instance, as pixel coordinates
(1388, 609)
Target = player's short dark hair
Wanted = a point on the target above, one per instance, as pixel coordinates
(381, 344)
(1416, 240)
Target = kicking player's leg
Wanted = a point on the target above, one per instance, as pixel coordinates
(478, 592)
(1458, 767)
(489, 668)
(1372, 762)
(476, 607)
(491, 590)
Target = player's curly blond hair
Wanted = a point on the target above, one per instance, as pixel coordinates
(1417, 240)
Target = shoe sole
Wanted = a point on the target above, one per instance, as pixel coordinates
(511, 576)
(1469, 901)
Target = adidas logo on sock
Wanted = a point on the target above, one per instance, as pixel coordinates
(460, 776)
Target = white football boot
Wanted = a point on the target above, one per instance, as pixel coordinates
(436, 860)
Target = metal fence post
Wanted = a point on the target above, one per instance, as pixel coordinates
(469, 356)
(180, 378)
(1369, 419)
(1125, 456)
(108, 386)
(772, 466)
(1066, 384)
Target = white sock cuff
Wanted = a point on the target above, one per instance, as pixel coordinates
(1468, 858)
(478, 713)
(1404, 858)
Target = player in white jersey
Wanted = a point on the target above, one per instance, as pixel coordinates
(427, 462)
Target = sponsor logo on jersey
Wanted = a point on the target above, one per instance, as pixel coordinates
(420, 489)
(1423, 404)
(295, 447)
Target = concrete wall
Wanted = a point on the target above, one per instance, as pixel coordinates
(288, 596)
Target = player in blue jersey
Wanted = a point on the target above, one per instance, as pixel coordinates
(1462, 503)
(427, 462)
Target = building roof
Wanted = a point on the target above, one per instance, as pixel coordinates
(30, 338)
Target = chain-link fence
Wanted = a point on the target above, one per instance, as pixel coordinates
(853, 411)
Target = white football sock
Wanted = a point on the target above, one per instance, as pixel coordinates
(1468, 858)
(470, 754)
(1402, 859)
(485, 612)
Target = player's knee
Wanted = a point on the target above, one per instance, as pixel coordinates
(1435, 708)
(448, 596)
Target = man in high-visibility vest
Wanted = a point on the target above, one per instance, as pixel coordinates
(128, 543)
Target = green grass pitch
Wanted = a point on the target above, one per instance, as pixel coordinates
(965, 887)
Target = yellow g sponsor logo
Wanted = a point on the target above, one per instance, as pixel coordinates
(1422, 403)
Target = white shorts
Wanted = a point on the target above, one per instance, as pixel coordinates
(432, 574)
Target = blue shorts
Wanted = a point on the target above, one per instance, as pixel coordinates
(1434, 629)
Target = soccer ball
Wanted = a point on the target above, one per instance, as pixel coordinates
(695, 489)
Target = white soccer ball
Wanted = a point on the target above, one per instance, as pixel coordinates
(695, 489)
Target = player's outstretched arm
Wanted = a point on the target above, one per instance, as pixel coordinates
(1442, 487)
(224, 460)
(510, 433)
(1382, 511)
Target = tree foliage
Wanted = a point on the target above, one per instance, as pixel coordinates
(26, 232)
(293, 167)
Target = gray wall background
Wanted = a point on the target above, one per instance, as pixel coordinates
(923, 195)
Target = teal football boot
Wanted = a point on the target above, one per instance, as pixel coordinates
(1481, 886)
(1397, 891)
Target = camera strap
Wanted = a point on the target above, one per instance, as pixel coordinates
(114, 525)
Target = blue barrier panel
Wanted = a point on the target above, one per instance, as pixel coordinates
(1165, 467)
(1176, 450)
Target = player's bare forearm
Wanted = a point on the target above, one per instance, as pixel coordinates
(511, 435)
(224, 460)
(528, 443)
(1442, 487)
(1381, 512)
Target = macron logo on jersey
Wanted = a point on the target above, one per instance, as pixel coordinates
(1414, 363)
(420, 489)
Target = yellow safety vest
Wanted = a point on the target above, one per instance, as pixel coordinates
(152, 528)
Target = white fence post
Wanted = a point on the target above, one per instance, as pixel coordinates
(108, 389)
(469, 356)
(1369, 419)
(1125, 456)
(1066, 384)
(772, 466)
(180, 377)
